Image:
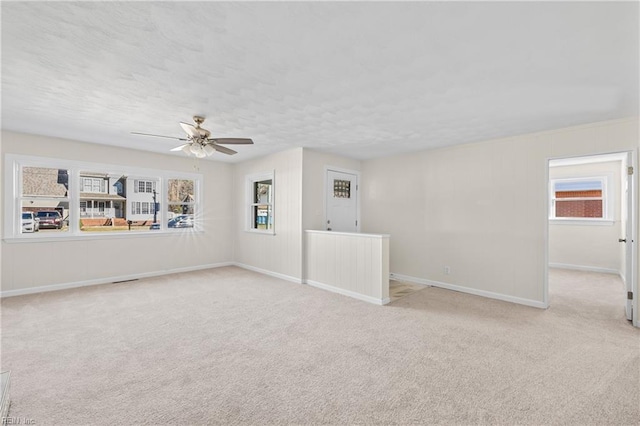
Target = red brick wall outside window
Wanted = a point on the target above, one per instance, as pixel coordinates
(569, 204)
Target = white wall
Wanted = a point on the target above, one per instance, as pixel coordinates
(279, 254)
(28, 265)
(589, 246)
(479, 208)
(313, 178)
(1, 209)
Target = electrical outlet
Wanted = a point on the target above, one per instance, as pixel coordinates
(447, 270)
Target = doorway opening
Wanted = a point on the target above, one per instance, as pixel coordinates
(590, 239)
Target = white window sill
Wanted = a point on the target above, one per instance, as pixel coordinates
(30, 238)
(582, 222)
(258, 231)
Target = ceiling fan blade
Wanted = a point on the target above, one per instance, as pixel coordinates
(190, 129)
(158, 136)
(232, 141)
(180, 148)
(223, 149)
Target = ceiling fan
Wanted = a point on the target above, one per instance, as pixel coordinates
(199, 142)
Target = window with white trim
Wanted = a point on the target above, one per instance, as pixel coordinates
(260, 202)
(147, 186)
(73, 198)
(181, 202)
(45, 192)
(579, 199)
(92, 184)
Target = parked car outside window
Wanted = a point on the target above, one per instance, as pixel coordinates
(181, 221)
(30, 223)
(50, 219)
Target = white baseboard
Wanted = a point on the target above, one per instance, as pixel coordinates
(409, 279)
(468, 290)
(267, 272)
(108, 280)
(349, 293)
(585, 268)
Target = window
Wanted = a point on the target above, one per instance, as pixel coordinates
(182, 201)
(93, 185)
(73, 198)
(141, 207)
(45, 192)
(342, 188)
(144, 186)
(579, 199)
(260, 196)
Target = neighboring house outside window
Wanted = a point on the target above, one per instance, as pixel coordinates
(142, 198)
(99, 197)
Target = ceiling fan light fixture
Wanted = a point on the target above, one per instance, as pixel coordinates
(198, 141)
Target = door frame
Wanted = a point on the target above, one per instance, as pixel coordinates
(325, 185)
(632, 221)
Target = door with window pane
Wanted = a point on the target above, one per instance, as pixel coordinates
(341, 201)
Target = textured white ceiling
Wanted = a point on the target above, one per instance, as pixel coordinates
(358, 79)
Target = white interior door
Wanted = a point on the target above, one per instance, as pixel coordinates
(341, 201)
(628, 237)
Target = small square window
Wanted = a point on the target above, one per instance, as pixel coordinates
(341, 188)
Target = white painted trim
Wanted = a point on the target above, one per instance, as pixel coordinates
(406, 278)
(59, 238)
(267, 272)
(348, 293)
(582, 222)
(475, 292)
(109, 280)
(545, 254)
(588, 159)
(585, 268)
(631, 255)
(352, 234)
(326, 189)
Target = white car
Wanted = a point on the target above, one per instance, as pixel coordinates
(30, 223)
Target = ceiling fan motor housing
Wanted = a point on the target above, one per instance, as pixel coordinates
(204, 133)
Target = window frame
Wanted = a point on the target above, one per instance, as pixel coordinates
(250, 181)
(181, 203)
(92, 181)
(607, 204)
(12, 223)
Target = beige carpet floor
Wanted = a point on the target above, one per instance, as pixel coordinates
(399, 289)
(230, 346)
